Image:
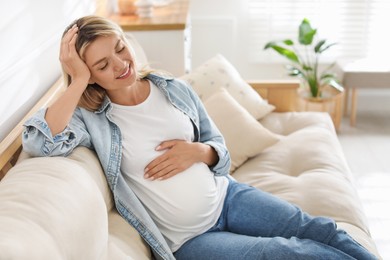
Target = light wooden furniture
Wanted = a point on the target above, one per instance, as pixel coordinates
(165, 37)
(280, 94)
(173, 16)
(360, 74)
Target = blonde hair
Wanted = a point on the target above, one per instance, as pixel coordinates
(90, 28)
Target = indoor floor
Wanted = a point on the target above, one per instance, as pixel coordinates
(367, 150)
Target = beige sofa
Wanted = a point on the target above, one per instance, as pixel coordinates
(61, 208)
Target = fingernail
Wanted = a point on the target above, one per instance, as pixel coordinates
(146, 176)
(158, 148)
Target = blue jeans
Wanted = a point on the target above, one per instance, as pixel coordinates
(257, 225)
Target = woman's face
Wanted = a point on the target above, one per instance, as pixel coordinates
(111, 63)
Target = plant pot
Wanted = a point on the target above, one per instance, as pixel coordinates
(331, 101)
(323, 96)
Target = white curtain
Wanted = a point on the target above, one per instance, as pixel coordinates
(360, 27)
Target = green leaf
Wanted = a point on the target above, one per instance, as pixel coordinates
(324, 48)
(289, 54)
(269, 45)
(306, 33)
(319, 45)
(288, 42)
(328, 76)
(307, 68)
(294, 71)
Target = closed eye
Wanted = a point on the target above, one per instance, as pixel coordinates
(105, 66)
(121, 49)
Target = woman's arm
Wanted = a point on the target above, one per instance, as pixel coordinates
(210, 135)
(58, 129)
(58, 115)
(38, 141)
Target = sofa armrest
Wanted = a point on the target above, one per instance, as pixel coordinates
(10, 146)
(51, 208)
(281, 94)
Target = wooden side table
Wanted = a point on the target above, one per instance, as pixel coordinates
(364, 73)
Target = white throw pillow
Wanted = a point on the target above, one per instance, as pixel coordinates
(245, 137)
(218, 72)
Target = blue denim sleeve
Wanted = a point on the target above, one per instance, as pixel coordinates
(38, 141)
(210, 134)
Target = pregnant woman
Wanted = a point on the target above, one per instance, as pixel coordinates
(165, 161)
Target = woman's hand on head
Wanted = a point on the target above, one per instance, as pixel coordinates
(70, 59)
(179, 156)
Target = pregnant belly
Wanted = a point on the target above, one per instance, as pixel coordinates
(185, 200)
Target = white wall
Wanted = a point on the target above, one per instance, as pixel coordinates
(30, 33)
(219, 26)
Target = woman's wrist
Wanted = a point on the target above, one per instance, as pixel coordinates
(80, 83)
(208, 154)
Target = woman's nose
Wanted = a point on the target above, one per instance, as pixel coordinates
(119, 64)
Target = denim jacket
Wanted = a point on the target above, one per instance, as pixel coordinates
(97, 131)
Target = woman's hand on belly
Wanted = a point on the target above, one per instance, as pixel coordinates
(179, 155)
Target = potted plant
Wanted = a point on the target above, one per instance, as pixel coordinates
(305, 65)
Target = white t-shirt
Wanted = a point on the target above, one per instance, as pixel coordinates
(184, 205)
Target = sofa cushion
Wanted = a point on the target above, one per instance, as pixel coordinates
(218, 72)
(62, 202)
(49, 208)
(302, 165)
(308, 168)
(290, 122)
(124, 242)
(245, 137)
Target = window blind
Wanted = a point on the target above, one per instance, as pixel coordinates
(359, 27)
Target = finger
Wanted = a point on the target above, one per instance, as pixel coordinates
(69, 34)
(169, 175)
(165, 173)
(64, 47)
(166, 145)
(156, 162)
(158, 170)
(72, 42)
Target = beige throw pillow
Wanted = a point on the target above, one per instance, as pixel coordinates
(218, 72)
(245, 137)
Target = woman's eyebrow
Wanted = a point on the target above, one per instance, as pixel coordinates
(96, 63)
(102, 59)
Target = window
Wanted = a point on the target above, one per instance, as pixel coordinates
(360, 27)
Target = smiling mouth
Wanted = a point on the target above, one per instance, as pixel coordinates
(125, 74)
